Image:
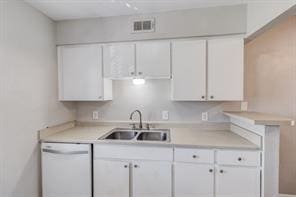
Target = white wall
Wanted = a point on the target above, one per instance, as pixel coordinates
(151, 99)
(260, 13)
(187, 23)
(28, 95)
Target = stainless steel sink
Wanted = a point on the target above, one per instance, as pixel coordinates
(159, 135)
(121, 134)
(153, 136)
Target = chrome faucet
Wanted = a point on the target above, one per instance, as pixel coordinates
(140, 115)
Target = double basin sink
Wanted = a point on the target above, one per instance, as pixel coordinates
(156, 135)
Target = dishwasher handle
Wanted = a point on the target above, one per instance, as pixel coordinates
(58, 152)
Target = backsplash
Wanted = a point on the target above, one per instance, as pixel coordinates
(151, 98)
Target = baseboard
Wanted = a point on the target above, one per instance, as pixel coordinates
(287, 195)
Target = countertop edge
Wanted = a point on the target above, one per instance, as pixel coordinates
(156, 145)
(258, 118)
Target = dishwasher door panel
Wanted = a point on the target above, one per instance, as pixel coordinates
(66, 170)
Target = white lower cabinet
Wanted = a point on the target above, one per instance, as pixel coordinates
(152, 179)
(237, 182)
(114, 178)
(193, 180)
(146, 171)
(132, 171)
(111, 178)
(233, 173)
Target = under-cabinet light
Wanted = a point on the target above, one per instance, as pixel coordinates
(138, 81)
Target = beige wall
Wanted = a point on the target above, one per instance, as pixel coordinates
(28, 95)
(271, 87)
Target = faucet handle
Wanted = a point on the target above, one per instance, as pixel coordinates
(133, 126)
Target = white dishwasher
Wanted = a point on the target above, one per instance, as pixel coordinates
(66, 170)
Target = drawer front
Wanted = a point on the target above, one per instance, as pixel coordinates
(133, 152)
(241, 158)
(194, 155)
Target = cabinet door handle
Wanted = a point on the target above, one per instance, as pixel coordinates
(140, 73)
(125, 166)
(203, 97)
(211, 170)
(195, 156)
(221, 171)
(136, 166)
(240, 159)
(58, 152)
(132, 73)
(212, 97)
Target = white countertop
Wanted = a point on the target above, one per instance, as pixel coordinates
(79, 134)
(258, 118)
(185, 137)
(209, 138)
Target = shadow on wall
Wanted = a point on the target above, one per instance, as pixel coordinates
(31, 176)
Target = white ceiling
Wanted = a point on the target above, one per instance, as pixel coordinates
(73, 9)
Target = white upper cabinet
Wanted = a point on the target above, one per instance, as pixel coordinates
(201, 70)
(225, 69)
(119, 60)
(153, 59)
(189, 70)
(80, 74)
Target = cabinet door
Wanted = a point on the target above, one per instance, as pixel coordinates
(153, 59)
(193, 180)
(225, 69)
(119, 60)
(80, 72)
(111, 178)
(152, 179)
(237, 182)
(189, 70)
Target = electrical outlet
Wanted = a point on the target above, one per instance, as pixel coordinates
(95, 115)
(244, 106)
(204, 116)
(165, 115)
(293, 123)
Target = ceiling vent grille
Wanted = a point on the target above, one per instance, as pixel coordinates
(143, 25)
